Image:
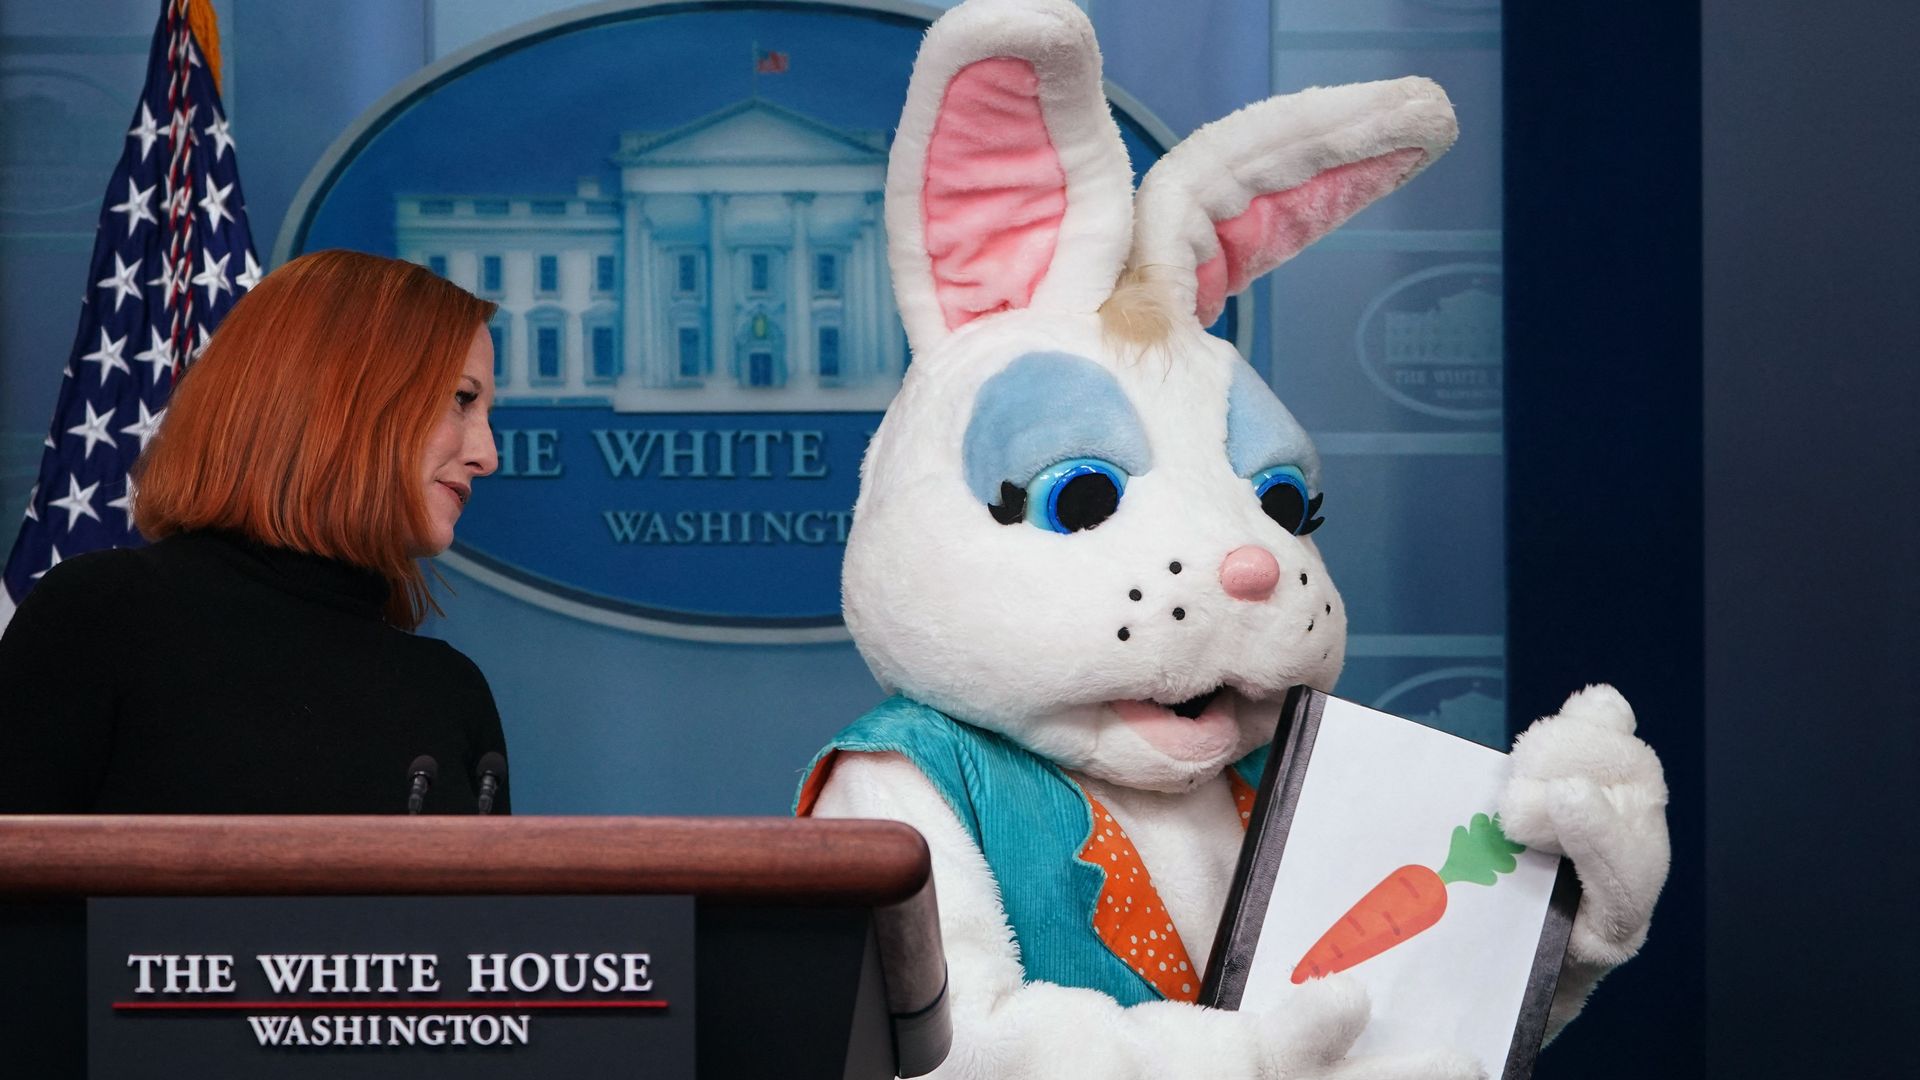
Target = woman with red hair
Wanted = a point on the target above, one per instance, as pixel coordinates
(258, 655)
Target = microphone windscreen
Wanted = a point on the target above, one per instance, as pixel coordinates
(493, 762)
(425, 765)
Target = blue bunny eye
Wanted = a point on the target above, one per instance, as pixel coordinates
(1075, 494)
(1282, 491)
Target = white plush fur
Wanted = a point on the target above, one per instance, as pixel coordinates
(1058, 41)
(1013, 628)
(1584, 786)
(1274, 145)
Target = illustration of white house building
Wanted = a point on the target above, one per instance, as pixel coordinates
(741, 267)
(1464, 329)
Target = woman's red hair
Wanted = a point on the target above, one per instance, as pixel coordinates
(303, 424)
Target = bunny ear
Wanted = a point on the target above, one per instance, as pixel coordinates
(1247, 192)
(1008, 185)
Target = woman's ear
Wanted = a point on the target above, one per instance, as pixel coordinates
(1247, 192)
(1008, 185)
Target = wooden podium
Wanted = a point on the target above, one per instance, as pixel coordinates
(852, 902)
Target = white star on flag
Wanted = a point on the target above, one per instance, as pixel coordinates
(159, 354)
(108, 356)
(215, 205)
(213, 275)
(145, 427)
(222, 137)
(206, 339)
(166, 278)
(124, 503)
(78, 501)
(94, 430)
(33, 497)
(251, 276)
(122, 281)
(136, 209)
(146, 132)
(50, 565)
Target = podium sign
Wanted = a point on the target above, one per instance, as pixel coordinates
(415, 987)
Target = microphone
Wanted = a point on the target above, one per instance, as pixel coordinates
(423, 772)
(493, 769)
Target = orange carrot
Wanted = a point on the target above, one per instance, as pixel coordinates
(1409, 900)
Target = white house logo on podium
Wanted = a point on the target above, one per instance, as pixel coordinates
(1435, 341)
(678, 210)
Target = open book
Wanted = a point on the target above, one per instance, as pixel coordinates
(1374, 852)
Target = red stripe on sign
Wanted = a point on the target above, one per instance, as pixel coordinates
(271, 1006)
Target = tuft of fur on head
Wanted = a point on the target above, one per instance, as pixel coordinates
(1143, 307)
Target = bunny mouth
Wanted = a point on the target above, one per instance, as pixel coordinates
(1201, 727)
(1195, 705)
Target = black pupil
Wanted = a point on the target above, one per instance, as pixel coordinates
(1086, 500)
(1283, 503)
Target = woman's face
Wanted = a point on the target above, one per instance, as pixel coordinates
(460, 447)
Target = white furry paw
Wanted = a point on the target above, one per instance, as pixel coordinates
(1584, 786)
(1312, 1028)
(1438, 1065)
(1308, 1035)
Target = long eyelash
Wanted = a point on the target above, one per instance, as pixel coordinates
(1313, 507)
(1012, 506)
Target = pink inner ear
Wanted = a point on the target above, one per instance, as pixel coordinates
(1275, 226)
(994, 192)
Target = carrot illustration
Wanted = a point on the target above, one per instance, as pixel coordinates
(1411, 899)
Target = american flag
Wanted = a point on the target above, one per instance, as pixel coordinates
(171, 255)
(769, 63)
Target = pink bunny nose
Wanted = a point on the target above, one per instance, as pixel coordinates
(1249, 572)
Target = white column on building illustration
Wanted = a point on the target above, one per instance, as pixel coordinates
(655, 358)
(463, 268)
(579, 357)
(890, 354)
(720, 286)
(517, 279)
(634, 290)
(856, 345)
(875, 302)
(800, 351)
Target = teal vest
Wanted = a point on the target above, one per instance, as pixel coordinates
(1030, 820)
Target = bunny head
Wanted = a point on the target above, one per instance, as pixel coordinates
(1097, 548)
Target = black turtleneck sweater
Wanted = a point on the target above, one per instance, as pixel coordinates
(207, 674)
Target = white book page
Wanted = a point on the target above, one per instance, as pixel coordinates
(1382, 793)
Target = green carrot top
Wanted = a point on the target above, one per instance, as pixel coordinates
(1480, 852)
